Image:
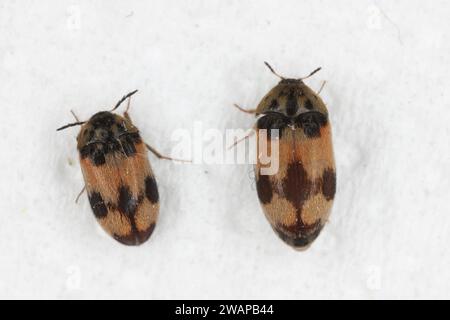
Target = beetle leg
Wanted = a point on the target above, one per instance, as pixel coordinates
(251, 111)
(79, 195)
(160, 156)
(321, 87)
(248, 135)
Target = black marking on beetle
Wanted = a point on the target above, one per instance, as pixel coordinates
(273, 104)
(133, 137)
(129, 239)
(311, 122)
(98, 205)
(329, 184)
(264, 189)
(151, 189)
(136, 237)
(308, 104)
(272, 121)
(128, 145)
(296, 185)
(85, 151)
(291, 103)
(95, 152)
(302, 238)
(127, 205)
(98, 158)
(297, 188)
(109, 143)
(103, 119)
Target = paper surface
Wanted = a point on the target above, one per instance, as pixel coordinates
(386, 67)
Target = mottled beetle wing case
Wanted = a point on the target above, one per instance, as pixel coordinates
(119, 180)
(297, 200)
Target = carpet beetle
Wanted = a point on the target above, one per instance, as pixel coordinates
(297, 200)
(119, 180)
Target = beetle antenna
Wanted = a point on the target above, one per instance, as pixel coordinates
(312, 73)
(75, 116)
(273, 71)
(125, 97)
(71, 125)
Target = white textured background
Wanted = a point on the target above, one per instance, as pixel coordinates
(387, 67)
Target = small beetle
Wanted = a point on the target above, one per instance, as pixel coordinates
(119, 180)
(297, 200)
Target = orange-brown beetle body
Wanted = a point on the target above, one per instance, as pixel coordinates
(118, 178)
(297, 200)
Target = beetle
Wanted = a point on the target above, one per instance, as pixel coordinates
(298, 198)
(119, 180)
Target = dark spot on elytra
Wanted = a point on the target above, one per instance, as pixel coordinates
(136, 237)
(273, 121)
(291, 103)
(108, 143)
(308, 104)
(128, 146)
(297, 187)
(301, 238)
(329, 184)
(264, 189)
(128, 240)
(98, 205)
(127, 143)
(85, 151)
(311, 122)
(151, 189)
(127, 205)
(95, 152)
(98, 158)
(131, 138)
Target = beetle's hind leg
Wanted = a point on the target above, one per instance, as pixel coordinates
(79, 195)
(250, 111)
(321, 87)
(250, 133)
(160, 156)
